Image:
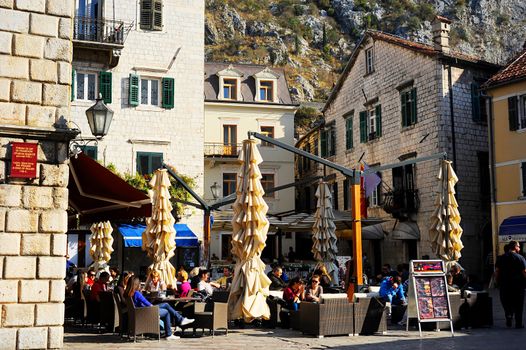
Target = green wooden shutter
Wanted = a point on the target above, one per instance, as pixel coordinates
(348, 133)
(378, 115)
(363, 126)
(323, 143)
(332, 150)
(403, 102)
(414, 109)
(146, 14)
(513, 112)
(475, 102)
(168, 92)
(157, 15)
(73, 73)
(105, 86)
(133, 95)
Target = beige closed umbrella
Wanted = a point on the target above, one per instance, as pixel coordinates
(445, 230)
(250, 285)
(101, 242)
(158, 240)
(324, 237)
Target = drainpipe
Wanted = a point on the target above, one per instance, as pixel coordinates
(452, 115)
(493, 189)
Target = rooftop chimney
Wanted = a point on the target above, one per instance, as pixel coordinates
(440, 28)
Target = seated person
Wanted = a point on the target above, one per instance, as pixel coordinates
(154, 282)
(450, 286)
(184, 287)
(314, 291)
(166, 312)
(294, 294)
(325, 278)
(101, 285)
(194, 277)
(204, 286)
(459, 278)
(392, 291)
(276, 283)
(226, 279)
(90, 278)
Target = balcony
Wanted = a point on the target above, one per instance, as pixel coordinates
(93, 36)
(401, 203)
(222, 150)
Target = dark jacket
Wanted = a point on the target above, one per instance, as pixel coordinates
(276, 282)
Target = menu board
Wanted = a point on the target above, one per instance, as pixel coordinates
(431, 295)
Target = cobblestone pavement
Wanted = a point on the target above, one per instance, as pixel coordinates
(497, 337)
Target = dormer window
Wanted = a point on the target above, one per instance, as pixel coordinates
(230, 89)
(266, 90)
(369, 61)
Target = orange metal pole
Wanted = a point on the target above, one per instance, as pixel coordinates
(357, 231)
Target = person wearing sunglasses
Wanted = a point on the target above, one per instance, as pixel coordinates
(314, 291)
(90, 280)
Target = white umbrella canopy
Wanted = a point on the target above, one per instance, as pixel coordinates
(250, 285)
(158, 240)
(324, 237)
(446, 217)
(101, 242)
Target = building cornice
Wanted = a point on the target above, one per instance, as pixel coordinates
(38, 133)
(251, 105)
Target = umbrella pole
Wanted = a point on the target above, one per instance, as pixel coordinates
(357, 232)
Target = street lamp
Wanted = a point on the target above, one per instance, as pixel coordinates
(99, 118)
(215, 190)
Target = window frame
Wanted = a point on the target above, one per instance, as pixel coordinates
(90, 149)
(273, 183)
(349, 130)
(150, 156)
(522, 179)
(86, 73)
(227, 83)
(269, 90)
(153, 13)
(371, 123)
(521, 113)
(375, 199)
(369, 60)
(228, 183)
(149, 97)
(268, 134)
(408, 95)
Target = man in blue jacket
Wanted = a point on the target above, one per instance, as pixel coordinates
(392, 290)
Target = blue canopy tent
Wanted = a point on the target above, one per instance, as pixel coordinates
(513, 228)
(132, 235)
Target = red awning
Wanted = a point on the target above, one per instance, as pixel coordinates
(97, 193)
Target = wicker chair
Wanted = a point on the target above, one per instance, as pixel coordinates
(212, 316)
(108, 311)
(123, 314)
(330, 317)
(142, 320)
(370, 316)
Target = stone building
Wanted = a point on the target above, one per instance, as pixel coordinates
(397, 100)
(35, 76)
(240, 98)
(507, 90)
(145, 58)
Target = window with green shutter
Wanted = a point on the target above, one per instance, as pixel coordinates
(363, 126)
(133, 93)
(332, 141)
(523, 175)
(168, 92)
(348, 132)
(105, 86)
(409, 107)
(513, 112)
(378, 113)
(151, 14)
(148, 162)
(323, 142)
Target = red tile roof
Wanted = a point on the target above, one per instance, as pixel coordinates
(514, 71)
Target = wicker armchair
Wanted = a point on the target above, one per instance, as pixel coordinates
(330, 317)
(212, 316)
(142, 320)
(370, 316)
(108, 311)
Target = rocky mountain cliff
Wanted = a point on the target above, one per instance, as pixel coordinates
(312, 39)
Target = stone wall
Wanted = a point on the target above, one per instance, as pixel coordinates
(35, 60)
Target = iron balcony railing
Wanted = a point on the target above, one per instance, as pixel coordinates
(222, 150)
(97, 30)
(401, 203)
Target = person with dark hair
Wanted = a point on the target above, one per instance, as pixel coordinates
(225, 280)
(166, 312)
(459, 278)
(392, 291)
(101, 285)
(294, 294)
(276, 283)
(314, 290)
(510, 273)
(204, 286)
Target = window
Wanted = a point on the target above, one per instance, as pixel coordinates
(229, 183)
(328, 142)
(517, 112)
(266, 90)
(90, 151)
(523, 179)
(230, 139)
(371, 124)
(375, 199)
(408, 104)
(230, 89)
(267, 181)
(148, 162)
(151, 14)
(334, 193)
(149, 92)
(369, 61)
(269, 132)
(478, 104)
(346, 189)
(348, 132)
(86, 86)
(404, 192)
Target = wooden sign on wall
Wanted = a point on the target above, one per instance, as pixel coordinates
(24, 160)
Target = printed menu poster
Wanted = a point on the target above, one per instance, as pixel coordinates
(431, 297)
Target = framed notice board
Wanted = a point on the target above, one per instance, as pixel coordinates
(428, 298)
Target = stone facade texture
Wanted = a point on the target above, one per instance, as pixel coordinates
(32, 262)
(395, 66)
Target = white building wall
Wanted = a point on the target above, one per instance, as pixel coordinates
(177, 52)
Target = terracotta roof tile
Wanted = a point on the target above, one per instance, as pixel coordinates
(516, 70)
